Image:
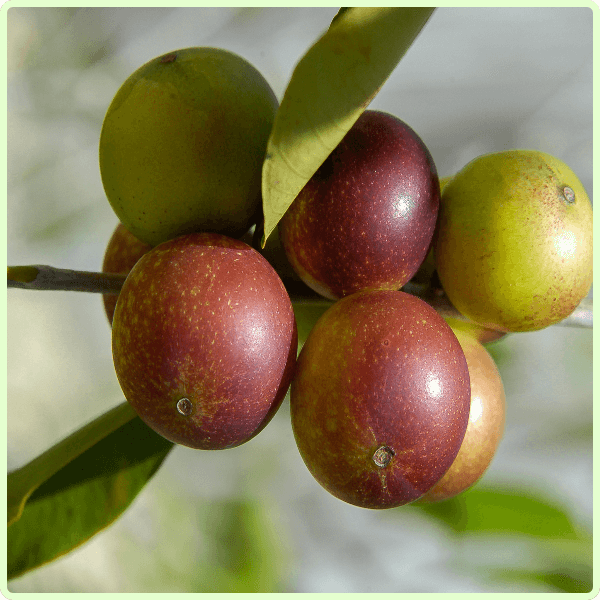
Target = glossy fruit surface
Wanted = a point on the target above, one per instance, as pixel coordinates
(486, 423)
(122, 252)
(513, 249)
(380, 400)
(182, 145)
(366, 218)
(204, 340)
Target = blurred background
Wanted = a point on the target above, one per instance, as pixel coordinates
(252, 518)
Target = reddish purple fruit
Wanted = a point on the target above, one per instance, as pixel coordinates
(380, 400)
(122, 252)
(204, 340)
(366, 218)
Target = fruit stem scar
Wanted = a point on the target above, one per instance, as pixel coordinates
(168, 58)
(382, 456)
(185, 407)
(569, 194)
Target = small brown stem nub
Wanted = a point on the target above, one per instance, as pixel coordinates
(382, 456)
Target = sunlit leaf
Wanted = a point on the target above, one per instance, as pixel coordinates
(330, 87)
(339, 13)
(84, 496)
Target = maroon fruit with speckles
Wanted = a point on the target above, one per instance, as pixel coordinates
(122, 252)
(380, 400)
(366, 218)
(204, 340)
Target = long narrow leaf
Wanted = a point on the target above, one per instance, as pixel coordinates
(329, 89)
(84, 496)
(22, 482)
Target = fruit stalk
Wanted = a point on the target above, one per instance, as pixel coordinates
(45, 277)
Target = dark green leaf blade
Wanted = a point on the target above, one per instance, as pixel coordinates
(329, 89)
(85, 496)
(22, 482)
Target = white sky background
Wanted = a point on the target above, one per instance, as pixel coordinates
(475, 81)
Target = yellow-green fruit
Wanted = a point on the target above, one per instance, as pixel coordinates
(183, 142)
(444, 181)
(514, 243)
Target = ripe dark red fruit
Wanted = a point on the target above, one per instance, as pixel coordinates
(122, 252)
(366, 218)
(204, 340)
(380, 400)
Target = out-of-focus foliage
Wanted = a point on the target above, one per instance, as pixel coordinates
(554, 550)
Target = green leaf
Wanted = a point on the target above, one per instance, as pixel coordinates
(85, 495)
(339, 13)
(330, 87)
(498, 510)
(22, 482)
(307, 313)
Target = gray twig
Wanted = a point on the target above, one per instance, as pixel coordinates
(44, 277)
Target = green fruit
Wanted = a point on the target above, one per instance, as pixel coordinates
(482, 334)
(513, 248)
(183, 142)
(444, 181)
(380, 398)
(204, 340)
(485, 427)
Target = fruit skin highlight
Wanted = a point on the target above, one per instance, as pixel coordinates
(513, 249)
(366, 218)
(204, 340)
(183, 142)
(380, 400)
(122, 252)
(486, 423)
